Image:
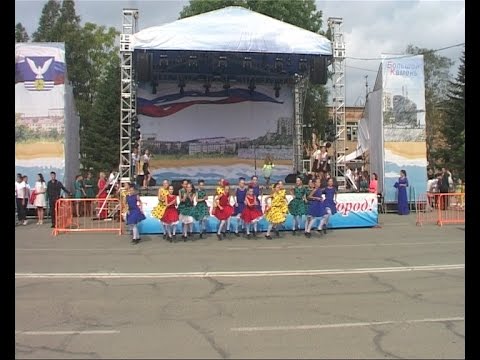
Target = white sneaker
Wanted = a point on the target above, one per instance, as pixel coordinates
(25, 222)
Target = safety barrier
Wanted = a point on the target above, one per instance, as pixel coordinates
(440, 208)
(88, 215)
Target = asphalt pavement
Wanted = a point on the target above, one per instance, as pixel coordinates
(396, 291)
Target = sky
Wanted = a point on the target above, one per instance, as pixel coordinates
(370, 28)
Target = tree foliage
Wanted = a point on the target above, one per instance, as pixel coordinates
(21, 34)
(453, 124)
(436, 72)
(89, 51)
(101, 147)
(46, 26)
(301, 13)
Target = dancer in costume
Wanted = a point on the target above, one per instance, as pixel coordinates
(276, 213)
(135, 214)
(186, 210)
(316, 208)
(170, 215)
(240, 194)
(251, 215)
(202, 212)
(223, 210)
(256, 191)
(158, 211)
(297, 206)
(330, 202)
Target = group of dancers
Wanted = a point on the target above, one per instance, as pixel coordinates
(315, 201)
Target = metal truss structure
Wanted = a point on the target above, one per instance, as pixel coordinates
(338, 93)
(128, 93)
(299, 95)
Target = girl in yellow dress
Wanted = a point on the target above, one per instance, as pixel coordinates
(159, 210)
(276, 213)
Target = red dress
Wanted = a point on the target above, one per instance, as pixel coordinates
(170, 216)
(227, 209)
(102, 194)
(251, 211)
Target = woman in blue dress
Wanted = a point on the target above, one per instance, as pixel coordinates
(134, 213)
(316, 208)
(402, 199)
(240, 195)
(330, 204)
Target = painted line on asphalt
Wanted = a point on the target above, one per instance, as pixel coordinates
(73, 332)
(215, 274)
(139, 249)
(342, 325)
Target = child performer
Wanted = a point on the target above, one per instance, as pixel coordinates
(186, 210)
(256, 191)
(202, 211)
(158, 211)
(170, 215)
(134, 214)
(330, 204)
(240, 194)
(223, 210)
(316, 208)
(277, 211)
(251, 214)
(297, 207)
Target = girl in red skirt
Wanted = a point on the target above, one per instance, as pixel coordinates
(170, 216)
(251, 214)
(223, 210)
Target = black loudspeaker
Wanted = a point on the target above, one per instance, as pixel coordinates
(140, 179)
(291, 178)
(143, 66)
(319, 71)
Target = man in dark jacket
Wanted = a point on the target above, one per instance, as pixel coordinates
(54, 190)
(444, 186)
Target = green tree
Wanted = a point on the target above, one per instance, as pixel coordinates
(301, 13)
(21, 34)
(47, 23)
(436, 72)
(453, 124)
(101, 146)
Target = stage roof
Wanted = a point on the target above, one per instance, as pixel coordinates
(232, 29)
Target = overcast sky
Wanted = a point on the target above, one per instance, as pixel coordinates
(370, 27)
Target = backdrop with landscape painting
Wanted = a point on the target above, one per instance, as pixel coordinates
(197, 133)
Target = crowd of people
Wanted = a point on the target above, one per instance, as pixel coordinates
(311, 206)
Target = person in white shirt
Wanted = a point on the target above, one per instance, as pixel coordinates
(135, 162)
(40, 201)
(146, 168)
(21, 200)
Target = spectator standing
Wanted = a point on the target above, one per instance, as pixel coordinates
(21, 200)
(54, 191)
(40, 198)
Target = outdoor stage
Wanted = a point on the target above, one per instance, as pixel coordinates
(354, 210)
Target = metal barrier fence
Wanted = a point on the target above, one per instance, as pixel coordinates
(440, 208)
(88, 215)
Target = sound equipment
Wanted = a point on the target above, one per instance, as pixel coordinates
(318, 71)
(140, 179)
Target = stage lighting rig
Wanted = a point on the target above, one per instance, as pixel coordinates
(193, 61)
(135, 129)
(278, 64)
(163, 62)
(247, 62)
(302, 65)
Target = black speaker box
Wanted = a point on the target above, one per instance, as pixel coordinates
(319, 71)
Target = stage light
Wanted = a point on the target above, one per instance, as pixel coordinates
(251, 86)
(278, 64)
(192, 61)
(163, 62)
(222, 62)
(247, 62)
(302, 65)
